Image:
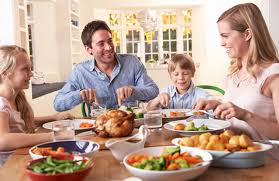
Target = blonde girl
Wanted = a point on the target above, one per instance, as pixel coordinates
(16, 115)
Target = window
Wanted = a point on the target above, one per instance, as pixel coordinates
(187, 32)
(173, 34)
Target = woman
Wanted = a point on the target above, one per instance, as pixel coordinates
(252, 86)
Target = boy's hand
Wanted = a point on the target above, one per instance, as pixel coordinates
(164, 99)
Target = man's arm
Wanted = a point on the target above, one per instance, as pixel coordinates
(69, 96)
(145, 88)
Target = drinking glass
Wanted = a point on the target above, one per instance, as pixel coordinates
(97, 110)
(153, 120)
(63, 130)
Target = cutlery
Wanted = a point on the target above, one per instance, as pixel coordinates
(215, 158)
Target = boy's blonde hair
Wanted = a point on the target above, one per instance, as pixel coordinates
(183, 61)
(8, 55)
(262, 51)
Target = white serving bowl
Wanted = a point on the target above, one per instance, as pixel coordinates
(76, 147)
(237, 159)
(177, 175)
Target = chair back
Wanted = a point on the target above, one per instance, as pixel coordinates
(212, 87)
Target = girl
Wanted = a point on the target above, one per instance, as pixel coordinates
(252, 86)
(16, 115)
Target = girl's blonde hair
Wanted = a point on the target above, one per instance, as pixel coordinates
(183, 61)
(262, 51)
(8, 55)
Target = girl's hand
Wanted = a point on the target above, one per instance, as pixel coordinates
(63, 115)
(229, 110)
(204, 104)
(164, 99)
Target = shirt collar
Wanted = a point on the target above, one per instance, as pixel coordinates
(94, 67)
(174, 92)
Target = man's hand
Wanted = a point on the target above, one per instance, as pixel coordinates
(89, 96)
(124, 93)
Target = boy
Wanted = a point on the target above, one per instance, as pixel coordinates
(182, 94)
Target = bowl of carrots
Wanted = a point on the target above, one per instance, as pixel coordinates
(64, 148)
(168, 163)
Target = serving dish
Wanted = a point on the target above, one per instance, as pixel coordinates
(165, 175)
(76, 147)
(237, 159)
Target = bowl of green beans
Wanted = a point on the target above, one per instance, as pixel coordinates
(53, 169)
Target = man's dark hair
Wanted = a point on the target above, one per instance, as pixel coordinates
(90, 29)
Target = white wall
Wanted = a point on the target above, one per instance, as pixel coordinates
(44, 40)
(7, 30)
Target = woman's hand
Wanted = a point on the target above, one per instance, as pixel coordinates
(63, 115)
(228, 110)
(204, 104)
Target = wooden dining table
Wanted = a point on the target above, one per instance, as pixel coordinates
(106, 167)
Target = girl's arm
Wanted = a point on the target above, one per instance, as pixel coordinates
(58, 116)
(12, 141)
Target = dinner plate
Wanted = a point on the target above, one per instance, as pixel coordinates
(237, 159)
(76, 123)
(214, 125)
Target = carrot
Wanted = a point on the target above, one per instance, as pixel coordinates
(192, 159)
(60, 150)
(175, 156)
(186, 154)
(172, 166)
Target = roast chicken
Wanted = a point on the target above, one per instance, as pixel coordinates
(114, 123)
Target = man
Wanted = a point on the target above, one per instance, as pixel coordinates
(110, 79)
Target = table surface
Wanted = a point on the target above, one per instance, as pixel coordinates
(108, 168)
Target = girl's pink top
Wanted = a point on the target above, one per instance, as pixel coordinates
(16, 124)
(246, 93)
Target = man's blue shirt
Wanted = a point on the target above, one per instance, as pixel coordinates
(129, 71)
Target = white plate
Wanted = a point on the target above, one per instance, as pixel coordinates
(76, 123)
(188, 112)
(237, 159)
(214, 125)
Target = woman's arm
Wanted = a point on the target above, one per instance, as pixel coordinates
(12, 141)
(269, 127)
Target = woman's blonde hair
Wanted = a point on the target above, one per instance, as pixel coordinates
(262, 51)
(183, 61)
(8, 58)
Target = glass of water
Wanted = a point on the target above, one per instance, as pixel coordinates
(153, 120)
(97, 110)
(63, 130)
